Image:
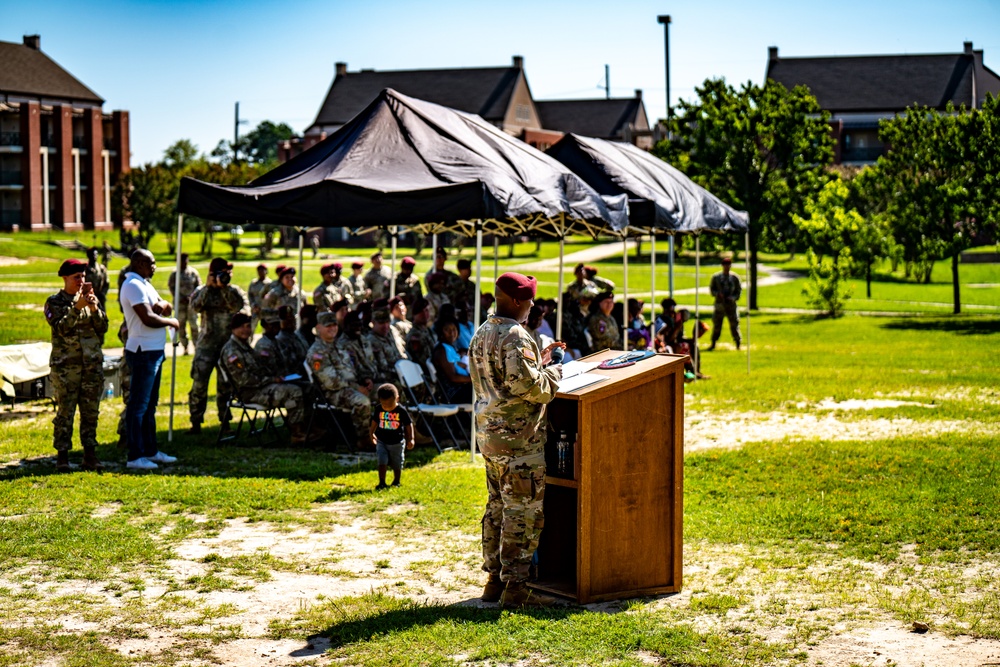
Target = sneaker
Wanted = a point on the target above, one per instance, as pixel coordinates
(162, 457)
(141, 464)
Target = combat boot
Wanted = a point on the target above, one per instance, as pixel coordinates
(90, 461)
(493, 589)
(62, 461)
(517, 595)
(299, 436)
(195, 428)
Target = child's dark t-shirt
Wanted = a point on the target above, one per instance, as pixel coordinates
(390, 425)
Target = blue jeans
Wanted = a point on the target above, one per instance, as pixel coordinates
(144, 393)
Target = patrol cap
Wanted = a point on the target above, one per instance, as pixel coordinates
(589, 292)
(357, 265)
(326, 318)
(343, 303)
(219, 264)
(238, 320)
(463, 264)
(381, 316)
(441, 252)
(270, 316)
(517, 286)
(286, 312)
(325, 269)
(408, 261)
(419, 305)
(286, 271)
(71, 267)
(603, 296)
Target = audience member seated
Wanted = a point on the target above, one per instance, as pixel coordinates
(452, 367)
(336, 379)
(293, 346)
(602, 326)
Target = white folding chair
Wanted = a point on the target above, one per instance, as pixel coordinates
(335, 413)
(412, 378)
(463, 408)
(249, 413)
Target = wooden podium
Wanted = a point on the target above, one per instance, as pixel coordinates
(613, 524)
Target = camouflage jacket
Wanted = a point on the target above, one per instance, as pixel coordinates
(420, 345)
(359, 355)
(329, 371)
(293, 350)
(270, 357)
(576, 288)
(402, 328)
(217, 306)
(462, 293)
(604, 332)
(511, 388)
(325, 296)
(258, 288)
(76, 334)
(388, 350)
(726, 286)
(603, 284)
(408, 284)
(245, 372)
(278, 296)
(358, 289)
(344, 289)
(377, 282)
(436, 301)
(190, 281)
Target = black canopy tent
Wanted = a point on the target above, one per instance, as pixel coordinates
(661, 199)
(404, 161)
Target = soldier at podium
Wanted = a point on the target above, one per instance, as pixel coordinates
(512, 389)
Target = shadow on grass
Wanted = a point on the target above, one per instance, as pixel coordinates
(961, 327)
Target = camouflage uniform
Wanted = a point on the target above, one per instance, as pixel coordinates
(270, 357)
(325, 296)
(293, 351)
(604, 332)
(402, 328)
(97, 275)
(420, 345)
(603, 284)
(576, 288)
(125, 373)
(408, 284)
(278, 296)
(190, 281)
(511, 392)
(217, 305)
(388, 350)
(337, 381)
(378, 282)
(726, 289)
(344, 289)
(253, 384)
(258, 288)
(359, 355)
(358, 289)
(460, 292)
(77, 368)
(435, 300)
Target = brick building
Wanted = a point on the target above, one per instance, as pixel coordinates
(60, 154)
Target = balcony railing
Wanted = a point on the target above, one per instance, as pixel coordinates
(10, 138)
(10, 177)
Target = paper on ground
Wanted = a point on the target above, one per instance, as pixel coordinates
(579, 381)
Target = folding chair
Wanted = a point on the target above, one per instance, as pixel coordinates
(250, 413)
(335, 413)
(412, 378)
(463, 408)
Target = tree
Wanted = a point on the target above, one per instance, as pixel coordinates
(259, 146)
(762, 149)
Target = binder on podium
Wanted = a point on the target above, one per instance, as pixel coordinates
(613, 520)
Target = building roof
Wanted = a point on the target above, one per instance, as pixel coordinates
(601, 118)
(485, 91)
(887, 83)
(26, 71)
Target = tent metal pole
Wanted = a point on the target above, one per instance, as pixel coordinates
(298, 302)
(559, 297)
(625, 290)
(478, 308)
(670, 260)
(747, 239)
(177, 301)
(434, 248)
(392, 265)
(652, 289)
(697, 320)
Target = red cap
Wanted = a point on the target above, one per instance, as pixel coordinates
(337, 266)
(357, 265)
(286, 271)
(262, 266)
(408, 261)
(71, 267)
(325, 269)
(517, 286)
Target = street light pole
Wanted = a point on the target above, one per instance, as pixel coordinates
(665, 20)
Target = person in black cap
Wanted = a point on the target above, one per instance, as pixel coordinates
(216, 302)
(326, 293)
(407, 283)
(603, 328)
(293, 346)
(377, 279)
(726, 288)
(357, 282)
(421, 340)
(78, 325)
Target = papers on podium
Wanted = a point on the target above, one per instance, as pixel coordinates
(576, 375)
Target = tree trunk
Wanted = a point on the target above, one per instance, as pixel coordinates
(868, 279)
(954, 283)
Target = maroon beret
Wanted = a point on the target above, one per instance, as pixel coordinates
(262, 266)
(343, 303)
(408, 261)
(325, 269)
(517, 286)
(727, 260)
(71, 267)
(337, 266)
(357, 265)
(219, 264)
(380, 304)
(238, 320)
(395, 301)
(279, 268)
(286, 271)
(419, 305)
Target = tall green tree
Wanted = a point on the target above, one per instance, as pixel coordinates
(259, 146)
(762, 149)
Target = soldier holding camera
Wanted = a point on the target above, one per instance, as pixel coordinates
(217, 301)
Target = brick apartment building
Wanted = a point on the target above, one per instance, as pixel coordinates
(858, 91)
(60, 154)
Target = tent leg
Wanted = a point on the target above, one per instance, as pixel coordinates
(177, 300)
(392, 267)
(670, 260)
(478, 313)
(652, 290)
(747, 239)
(625, 291)
(697, 320)
(559, 297)
(298, 302)
(434, 248)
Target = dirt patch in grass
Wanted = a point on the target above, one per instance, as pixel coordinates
(11, 261)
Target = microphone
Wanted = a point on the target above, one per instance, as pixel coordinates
(557, 355)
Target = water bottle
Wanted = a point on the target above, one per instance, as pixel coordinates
(562, 454)
(109, 390)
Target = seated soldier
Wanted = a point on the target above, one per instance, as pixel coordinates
(421, 341)
(386, 345)
(267, 348)
(356, 349)
(253, 384)
(307, 321)
(401, 325)
(336, 379)
(436, 296)
(293, 347)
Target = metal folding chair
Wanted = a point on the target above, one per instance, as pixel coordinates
(336, 414)
(250, 413)
(412, 378)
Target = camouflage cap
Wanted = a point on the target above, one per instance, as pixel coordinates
(327, 318)
(238, 320)
(381, 316)
(270, 316)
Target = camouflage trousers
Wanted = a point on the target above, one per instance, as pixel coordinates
(285, 395)
(187, 318)
(205, 360)
(728, 310)
(359, 406)
(513, 519)
(76, 386)
(125, 373)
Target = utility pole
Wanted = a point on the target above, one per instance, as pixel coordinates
(607, 82)
(236, 134)
(665, 20)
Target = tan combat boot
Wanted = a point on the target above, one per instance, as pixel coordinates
(517, 595)
(298, 434)
(493, 589)
(90, 461)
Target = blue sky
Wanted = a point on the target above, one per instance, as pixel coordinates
(179, 66)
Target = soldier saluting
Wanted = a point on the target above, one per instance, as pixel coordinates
(512, 388)
(78, 325)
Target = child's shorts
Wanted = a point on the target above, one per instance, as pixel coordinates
(389, 455)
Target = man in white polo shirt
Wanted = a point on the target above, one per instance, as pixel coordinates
(146, 316)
